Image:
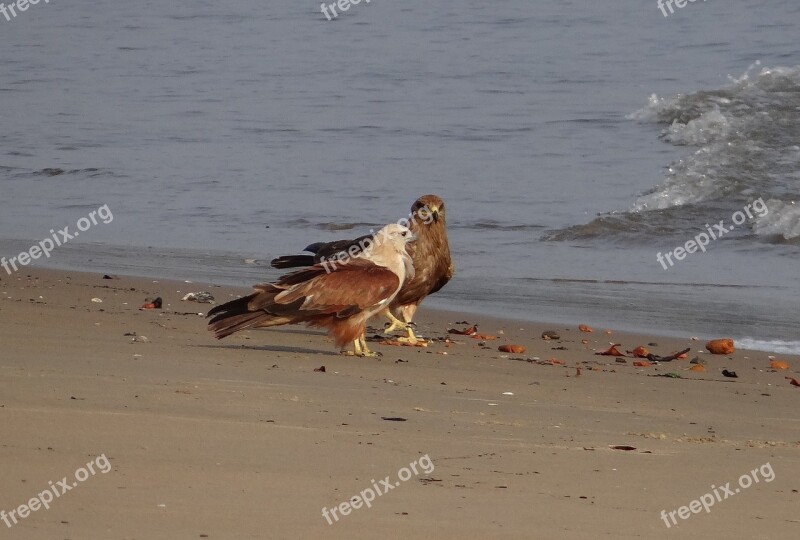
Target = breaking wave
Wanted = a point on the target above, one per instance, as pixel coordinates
(743, 141)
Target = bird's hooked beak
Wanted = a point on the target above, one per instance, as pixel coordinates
(432, 211)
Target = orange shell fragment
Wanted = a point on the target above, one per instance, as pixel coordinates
(720, 346)
(698, 367)
(779, 364)
(612, 351)
(584, 328)
(515, 349)
(640, 352)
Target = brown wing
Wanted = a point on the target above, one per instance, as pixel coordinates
(345, 291)
(311, 296)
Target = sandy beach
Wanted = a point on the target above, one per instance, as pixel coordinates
(248, 438)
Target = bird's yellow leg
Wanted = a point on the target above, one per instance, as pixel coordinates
(411, 337)
(356, 349)
(407, 312)
(397, 324)
(364, 349)
(360, 348)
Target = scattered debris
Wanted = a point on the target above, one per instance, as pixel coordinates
(394, 419)
(640, 352)
(779, 364)
(514, 349)
(320, 369)
(97, 300)
(642, 363)
(397, 343)
(584, 328)
(670, 358)
(106, 276)
(155, 304)
(550, 334)
(731, 374)
(700, 368)
(624, 447)
(429, 480)
(793, 381)
(199, 297)
(471, 331)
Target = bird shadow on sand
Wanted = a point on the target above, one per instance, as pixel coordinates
(271, 348)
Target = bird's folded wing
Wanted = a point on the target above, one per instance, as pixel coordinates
(347, 290)
(330, 249)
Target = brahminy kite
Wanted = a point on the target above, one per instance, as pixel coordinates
(433, 267)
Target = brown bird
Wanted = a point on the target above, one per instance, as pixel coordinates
(340, 299)
(433, 267)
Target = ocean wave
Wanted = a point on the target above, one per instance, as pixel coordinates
(744, 138)
(745, 134)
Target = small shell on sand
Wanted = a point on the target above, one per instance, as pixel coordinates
(720, 346)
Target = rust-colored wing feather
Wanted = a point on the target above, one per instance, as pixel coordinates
(311, 296)
(357, 285)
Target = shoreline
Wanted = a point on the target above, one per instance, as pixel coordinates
(672, 310)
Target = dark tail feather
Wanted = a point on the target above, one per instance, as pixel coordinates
(234, 316)
(292, 261)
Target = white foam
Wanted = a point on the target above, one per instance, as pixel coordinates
(708, 127)
(783, 219)
(774, 346)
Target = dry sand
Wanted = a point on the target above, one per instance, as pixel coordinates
(242, 438)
